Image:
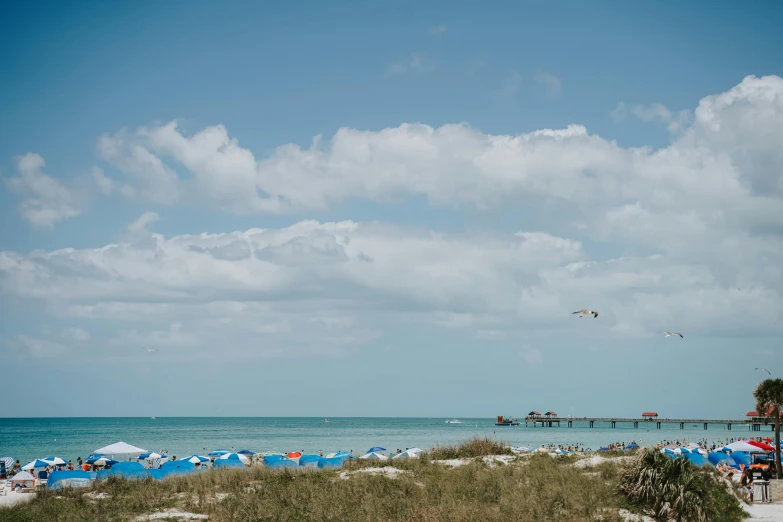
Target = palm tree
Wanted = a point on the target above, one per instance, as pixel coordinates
(769, 397)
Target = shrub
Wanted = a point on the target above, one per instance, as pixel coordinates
(476, 447)
(676, 489)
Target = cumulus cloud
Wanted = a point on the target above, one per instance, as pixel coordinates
(45, 200)
(39, 348)
(692, 223)
(76, 334)
(143, 221)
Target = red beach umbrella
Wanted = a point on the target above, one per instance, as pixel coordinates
(767, 440)
(294, 454)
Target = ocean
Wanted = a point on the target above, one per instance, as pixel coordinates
(69, 438)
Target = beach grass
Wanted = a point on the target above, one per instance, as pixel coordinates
(476, 480)
(541, 488)
(475, 447)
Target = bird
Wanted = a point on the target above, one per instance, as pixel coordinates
(150, 351)
(584, 312)
(765, 370)
(670, 334)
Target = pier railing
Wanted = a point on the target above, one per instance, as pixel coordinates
(754, 423)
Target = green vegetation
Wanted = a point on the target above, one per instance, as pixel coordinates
(476, 447)
(675, 489)
(769, 396)
(535, 487)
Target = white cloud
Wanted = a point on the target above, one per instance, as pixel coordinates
(39, 348)
(415, 63)
(438, 30)
(109, 186)
(675, 122)
(695, 221)
(46, 200)
(551, 83)
(143, 221)
(76, 334)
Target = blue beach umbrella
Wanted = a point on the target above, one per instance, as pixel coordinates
(245, 452)
(193, 459)
(375, 448)
(603, 449)
(37, 463)
(233, 456)
(217, 453)
(55, 461)
(632, 445)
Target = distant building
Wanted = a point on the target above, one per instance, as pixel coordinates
(649, 415)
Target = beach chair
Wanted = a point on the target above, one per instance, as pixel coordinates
(2, 487)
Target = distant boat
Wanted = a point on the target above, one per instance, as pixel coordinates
(325, 420)
(506, 421)
(153, 418)
(453, 421)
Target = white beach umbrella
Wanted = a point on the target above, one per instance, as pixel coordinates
(36, 464)
(55, 461)
(409, 453)
(195, 459)
(234, 456)
(374, 456)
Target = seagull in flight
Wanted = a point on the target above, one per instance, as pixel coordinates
(672, 334)
(765, 370)
(151, 351)
(584, 312)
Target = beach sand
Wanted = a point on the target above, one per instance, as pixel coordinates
(12, 497)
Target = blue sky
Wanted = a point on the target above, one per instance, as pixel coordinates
(431, 244)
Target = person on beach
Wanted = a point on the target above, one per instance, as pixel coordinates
(746, 482)
(70, 465)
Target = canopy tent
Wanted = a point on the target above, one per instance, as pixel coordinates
(225, 463)
(69, 479)
(697, 458)
(119, 448)
(335, 462)
(128, 470)
(23, 479)
(716, 457)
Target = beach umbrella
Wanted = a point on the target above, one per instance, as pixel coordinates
(742, 445)
(233, 456)
(8, 461)
(193, 459)
(102, 461)
(218, 453)
(35, 464)
(522, 449)
(245, 452)
(411, 453)
(149, 456)
(294, 454)
(55, 461)
(632, 445)
(761, 445)
(373, 455)
(767, 440)
(375, 449)
(603, 449)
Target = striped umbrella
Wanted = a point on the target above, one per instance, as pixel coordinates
(37, 463)
(195, 459)
(233, 456)
(8, 461)
(55, 461)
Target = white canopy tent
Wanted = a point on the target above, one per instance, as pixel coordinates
(119, 448)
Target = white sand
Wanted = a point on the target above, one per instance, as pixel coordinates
(768, 512)
(387, 472)
(492, 460)
(171, 513)
(12, 497)
(598, 459)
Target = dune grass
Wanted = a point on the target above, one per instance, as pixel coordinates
(476, 447)
(539, 488)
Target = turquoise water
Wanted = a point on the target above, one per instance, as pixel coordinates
(68, 438)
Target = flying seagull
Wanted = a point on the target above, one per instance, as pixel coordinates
(584, 312)
(670, 334)
(764, 370)
(150, 351)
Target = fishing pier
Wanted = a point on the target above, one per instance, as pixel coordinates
(754, 424)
